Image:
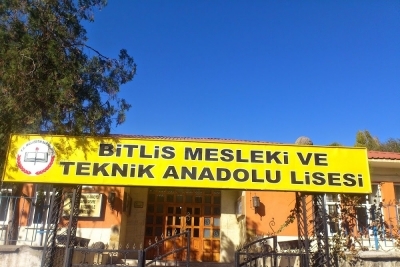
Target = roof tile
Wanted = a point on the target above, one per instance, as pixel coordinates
(199, 139)
(383, 155)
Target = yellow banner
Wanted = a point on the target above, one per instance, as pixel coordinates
(150, 162)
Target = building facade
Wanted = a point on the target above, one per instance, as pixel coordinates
(221, 220)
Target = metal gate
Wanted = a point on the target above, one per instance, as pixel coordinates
(63, 249)
(312, 218)
(264, 252)
(59, 238)
(104, 256)
(312, 248)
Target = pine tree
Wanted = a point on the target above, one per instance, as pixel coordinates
(48, 80)
(365, 139)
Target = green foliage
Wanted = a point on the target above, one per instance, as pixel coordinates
(49, 82)
(346, 243)
(391, 145)
(365, 139)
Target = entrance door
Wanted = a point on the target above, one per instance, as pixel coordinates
(171, 211)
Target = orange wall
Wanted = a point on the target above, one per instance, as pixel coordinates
(276, 206)
(271, 215)
(273, 211)
(388, 200)
(387, 191)
(109, 217)
(24, 205)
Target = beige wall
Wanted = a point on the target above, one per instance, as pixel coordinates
(136, 222)
(230, 225)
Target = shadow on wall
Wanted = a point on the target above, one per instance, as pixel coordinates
(252, 230)
(227, 246)
(261, 211)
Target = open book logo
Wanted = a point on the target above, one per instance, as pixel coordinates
(35, 157)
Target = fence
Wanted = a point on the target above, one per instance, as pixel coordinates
(22, 220)
(376, 225)
(384, 226)
(26, 220)
(264, 252)
(379, 227)
(167, 250)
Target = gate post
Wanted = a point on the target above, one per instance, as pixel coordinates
(302, 227)
(322, 256)
(188, 248)
(55, 212)
(318, 253)
(141, 258)
(275, 246)
(237, 258)
(68, 256)
(49, 249)
(72, 225)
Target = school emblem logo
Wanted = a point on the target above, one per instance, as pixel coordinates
(35, 157)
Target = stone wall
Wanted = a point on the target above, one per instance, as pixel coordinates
(18, 256)
(373, 259)
(22, 256)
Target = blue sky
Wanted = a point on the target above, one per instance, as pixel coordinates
(257, 70)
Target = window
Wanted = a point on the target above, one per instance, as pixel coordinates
(367, 210)
(332, 207)
(4, 204)
(40, 204)
(397, 201)
(375, 196)
(333, 218)
(5, 199)
(397, 193)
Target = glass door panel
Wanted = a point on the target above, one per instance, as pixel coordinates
(171, 211)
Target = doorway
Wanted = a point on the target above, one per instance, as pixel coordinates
(171, 211)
